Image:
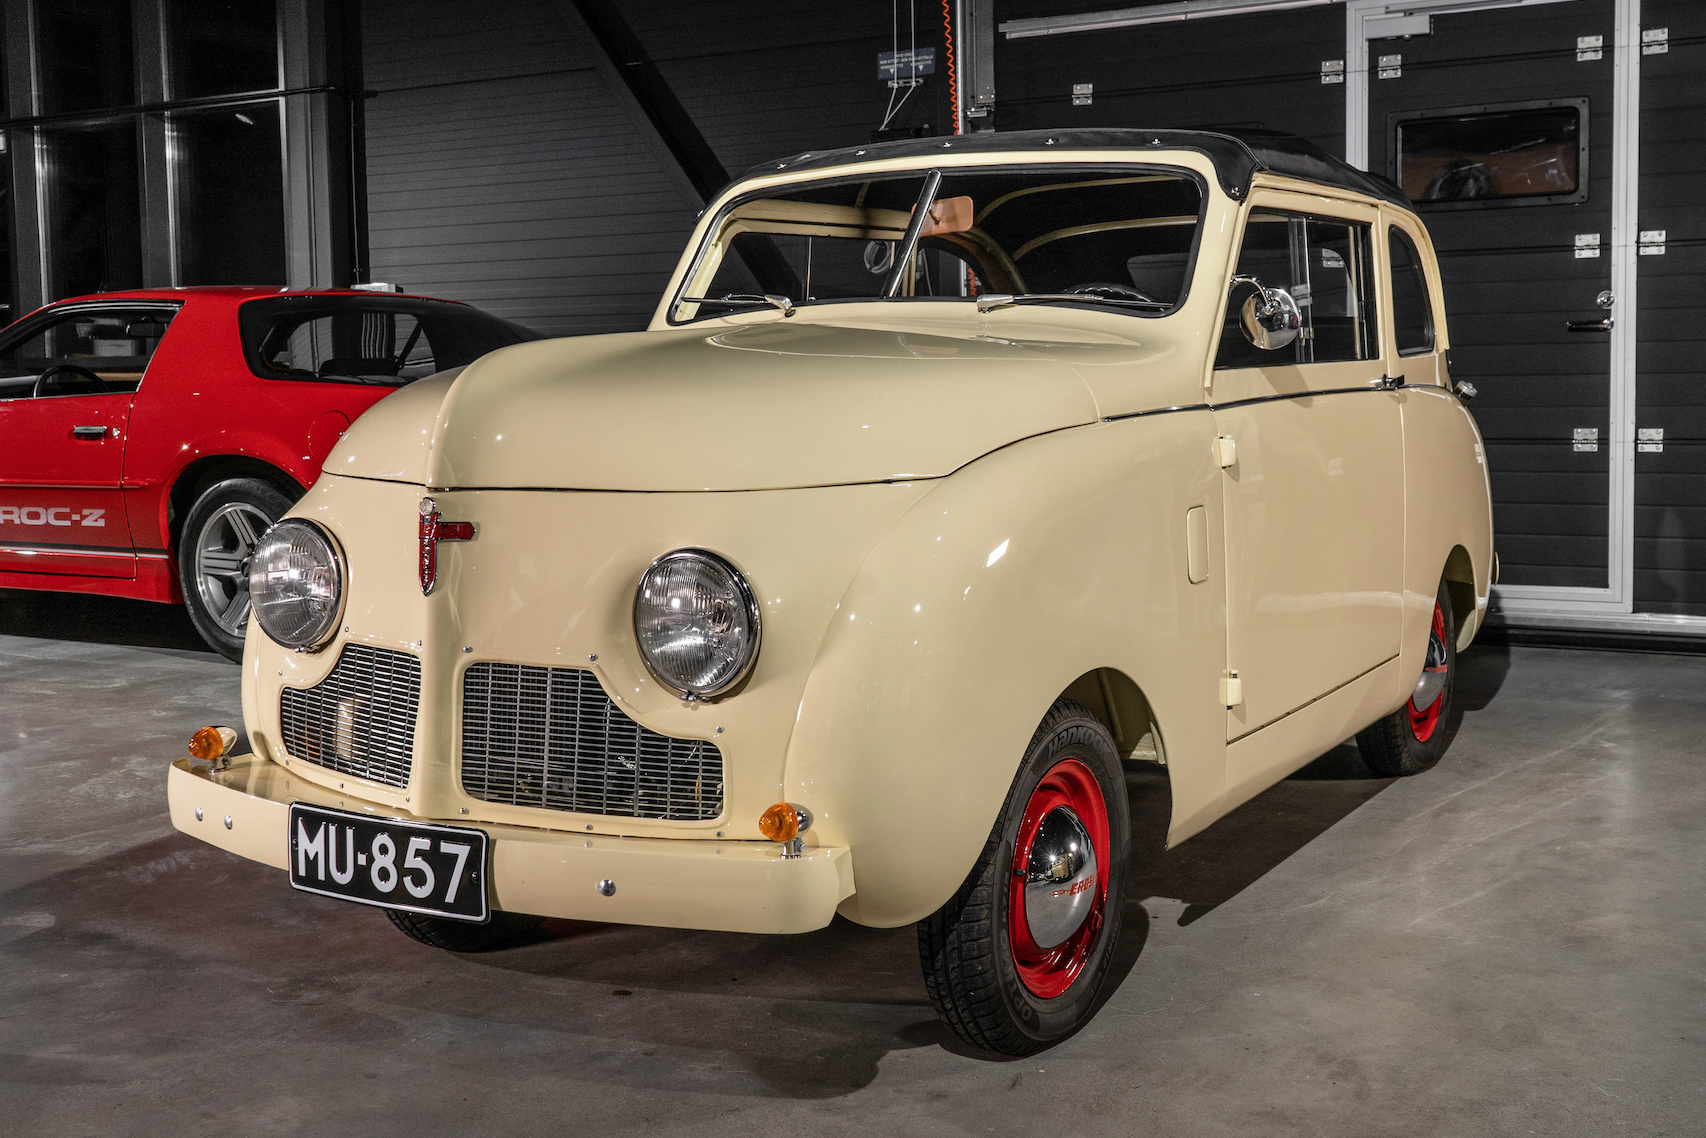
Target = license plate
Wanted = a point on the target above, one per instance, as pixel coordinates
(437, 870)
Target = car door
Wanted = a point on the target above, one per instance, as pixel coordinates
(1312, 478)
(67, 380)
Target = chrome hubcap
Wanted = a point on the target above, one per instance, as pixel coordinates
(221, 569)
(1060, 879)
(1433, 676)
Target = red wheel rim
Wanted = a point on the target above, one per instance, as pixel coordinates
(1048, 972)
(1425, 721)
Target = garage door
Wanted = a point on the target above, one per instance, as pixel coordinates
(1499, 125)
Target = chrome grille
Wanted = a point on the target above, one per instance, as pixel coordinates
(550, 737)
(360, 720)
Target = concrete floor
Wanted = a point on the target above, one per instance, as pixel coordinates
(1510, 943)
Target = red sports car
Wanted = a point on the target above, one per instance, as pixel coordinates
(148, 438)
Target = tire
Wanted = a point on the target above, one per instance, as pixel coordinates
(504, 930)
(219, 534)
(1412, 739)
(990, 981)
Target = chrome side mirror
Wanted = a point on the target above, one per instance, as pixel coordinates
(1270, 317)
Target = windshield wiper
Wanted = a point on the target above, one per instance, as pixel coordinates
(745, 300)
(992, 300)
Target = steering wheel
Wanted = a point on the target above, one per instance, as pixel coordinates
(1116, 291)
(78, 377)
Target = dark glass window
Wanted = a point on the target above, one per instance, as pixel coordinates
(87, 57)
(223, 47)
(228, 181)
(1488, 155)
(367, 339)
(1412, 313)
(1326, 266)
(93, 206)
(113, 342)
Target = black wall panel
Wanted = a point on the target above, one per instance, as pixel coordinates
(1261, 70)
(1670, 486)
(502, 170)
(763, 84)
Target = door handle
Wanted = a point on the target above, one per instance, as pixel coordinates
(1590, 325)
(88, 432)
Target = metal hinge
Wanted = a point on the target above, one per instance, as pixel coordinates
(1226, 451)
(1587, 245)
(1655, 41)
(1332, 71)
(1589, 47)
(1651, 243)
(1083, 94)
(1391, 66)
(1231, 689)
(1650, 440)
(1586, 439)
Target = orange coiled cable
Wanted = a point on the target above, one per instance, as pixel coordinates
(953, 81)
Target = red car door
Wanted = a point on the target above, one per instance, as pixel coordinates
(67, 379)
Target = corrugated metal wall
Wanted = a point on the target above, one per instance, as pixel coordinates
(1670, 485)
(503, 170)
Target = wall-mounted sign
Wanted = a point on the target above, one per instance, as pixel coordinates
(907, 67)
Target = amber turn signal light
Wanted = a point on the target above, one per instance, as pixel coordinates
(780, 823)
(212, 743)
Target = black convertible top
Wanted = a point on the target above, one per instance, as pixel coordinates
(1237, 154)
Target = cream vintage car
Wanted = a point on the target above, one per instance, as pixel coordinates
(951, 476)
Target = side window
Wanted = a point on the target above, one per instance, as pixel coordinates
(352, 344)
(88, 351)
(1326, 266)
(1412, 312)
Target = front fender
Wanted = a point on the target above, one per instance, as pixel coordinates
(1010, 579)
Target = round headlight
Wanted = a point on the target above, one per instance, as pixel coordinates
(296, 582)
(696, 622)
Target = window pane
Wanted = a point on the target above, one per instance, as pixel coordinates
(376, 340)
(221, 47)
(86, 55)
(228, 181)
(1490, 155)
(1412, 315)
(94, 210)
(114, 343)
(1325, 266)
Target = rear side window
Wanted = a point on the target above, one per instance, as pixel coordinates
(1325, 265)
(1412, 312)
(361, 339)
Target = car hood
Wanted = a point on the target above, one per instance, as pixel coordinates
(746, 407)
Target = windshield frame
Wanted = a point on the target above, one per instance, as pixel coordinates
(679, 295)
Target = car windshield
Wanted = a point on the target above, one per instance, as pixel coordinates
(367, 339)
(1116, 236)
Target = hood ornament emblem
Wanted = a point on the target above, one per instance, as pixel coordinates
(435, 529)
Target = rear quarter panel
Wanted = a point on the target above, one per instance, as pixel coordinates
(199, 400)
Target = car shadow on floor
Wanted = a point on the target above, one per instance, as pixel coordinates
(180, 924)
(97, 620)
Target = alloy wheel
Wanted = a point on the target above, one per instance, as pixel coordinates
(221, 569)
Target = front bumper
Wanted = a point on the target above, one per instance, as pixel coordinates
(672, 882)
